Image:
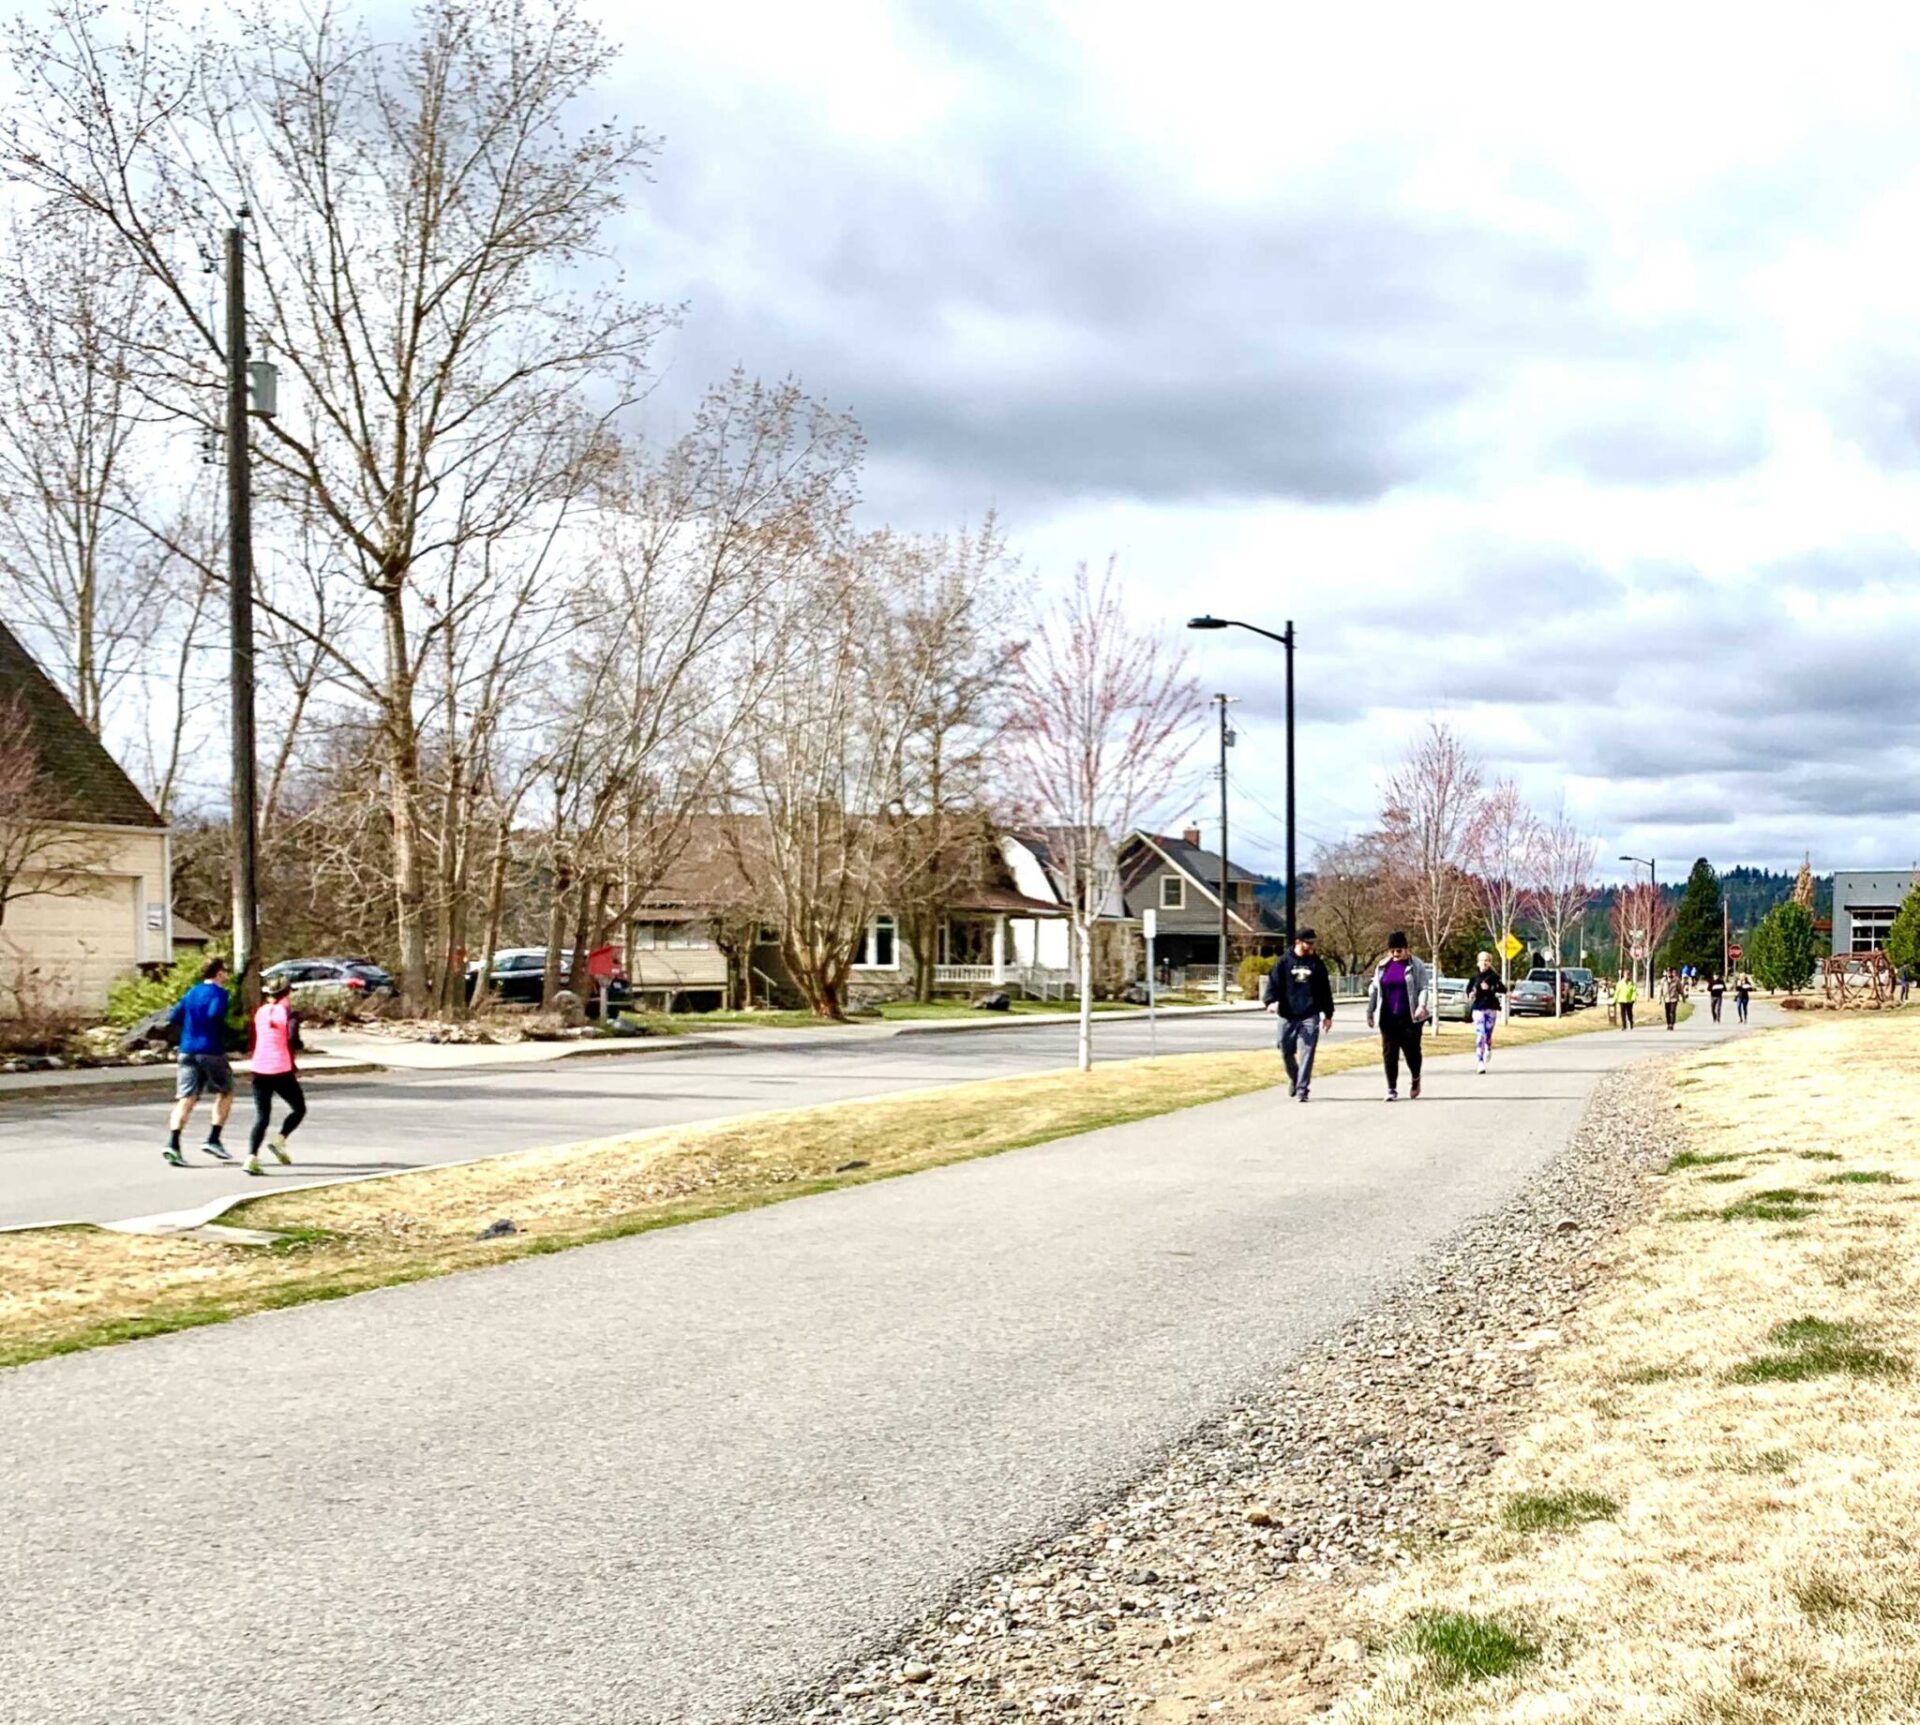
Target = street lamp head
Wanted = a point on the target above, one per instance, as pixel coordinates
(1206, 623)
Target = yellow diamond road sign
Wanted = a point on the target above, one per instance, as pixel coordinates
(1512, 947)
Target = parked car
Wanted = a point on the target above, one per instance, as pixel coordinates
(359, 976)
(519, 978)
(1450, 998)
(1531, 999)
(1578, 986)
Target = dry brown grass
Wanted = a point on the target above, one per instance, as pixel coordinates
(68, 1288)
(1762, 1566)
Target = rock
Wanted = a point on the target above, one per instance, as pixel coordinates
(1259, 1518)
(917, 1674)
(1566, 1225)
(1345, 1651)
(497, 1230)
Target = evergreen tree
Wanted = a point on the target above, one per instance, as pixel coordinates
(1903, 938)
(1784, 949)
(1695, 939)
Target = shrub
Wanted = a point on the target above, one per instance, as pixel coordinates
(131, 998)
(1253, 973)
(1784, 952)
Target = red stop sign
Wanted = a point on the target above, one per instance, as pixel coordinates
(1733, 952)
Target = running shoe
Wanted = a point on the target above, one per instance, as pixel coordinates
(278, 1145)
(1302, 1095)
(219, 1152)
(173, 1156)
(1416, 1090)
(1393, 1096)
(253, 1165)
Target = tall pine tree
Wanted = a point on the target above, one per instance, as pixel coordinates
(1695, 939)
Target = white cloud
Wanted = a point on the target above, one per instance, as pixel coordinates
(1554, 372)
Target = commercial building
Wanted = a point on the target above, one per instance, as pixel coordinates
(1864, 905)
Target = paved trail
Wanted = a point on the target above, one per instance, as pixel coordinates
(653, 1480)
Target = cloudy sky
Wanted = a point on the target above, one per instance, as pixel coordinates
(1560, 383)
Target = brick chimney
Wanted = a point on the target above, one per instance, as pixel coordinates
(1192, 836)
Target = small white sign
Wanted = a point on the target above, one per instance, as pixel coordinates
(1149, 922)
(156, 917)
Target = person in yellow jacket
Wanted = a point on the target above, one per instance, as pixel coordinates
(1623, 997)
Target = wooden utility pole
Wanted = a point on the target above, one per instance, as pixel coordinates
(240, 680)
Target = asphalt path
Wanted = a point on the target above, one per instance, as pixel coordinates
(668, 1476)
(97, 1159)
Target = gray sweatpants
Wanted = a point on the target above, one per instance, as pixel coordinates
(1299, 1040)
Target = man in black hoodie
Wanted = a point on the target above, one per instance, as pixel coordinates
(1300, 991)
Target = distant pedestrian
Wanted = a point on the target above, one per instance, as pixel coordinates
(199, 1020)
(1398, 999)
(1906, 982)
(1742, 993)
(1484, 989)
(1673, 990)
(1623, 997)
(276, 1039)
(1300, 991)
(1716, 993)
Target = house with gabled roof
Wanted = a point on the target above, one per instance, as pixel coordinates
(87, 860)
(1177, 878)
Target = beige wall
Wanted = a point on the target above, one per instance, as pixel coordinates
(61, 950)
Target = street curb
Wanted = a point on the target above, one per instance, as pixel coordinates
(91, 1089)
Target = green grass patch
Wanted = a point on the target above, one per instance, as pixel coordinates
(1463, 1648)
(1821, 1156)
(1721, 1179)
(1697, 1159)
(1807, 1348)
(1775, 1204)
(1863, 1177)
(1649, 1375)
(1536, 1511)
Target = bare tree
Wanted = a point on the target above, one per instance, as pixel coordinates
(1104, 715)
(823, 761)
(956, 621)
(43, 853)
(1640, 916)
(88, 583)
(1348, 902)
(1501, 849)
(420, 208)
(1427, 822)
(1562, 887)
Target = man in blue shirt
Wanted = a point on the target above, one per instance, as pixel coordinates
(199, 1019)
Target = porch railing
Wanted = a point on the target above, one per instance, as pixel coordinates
(965, 975)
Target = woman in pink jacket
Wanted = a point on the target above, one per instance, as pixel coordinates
(276, 1038)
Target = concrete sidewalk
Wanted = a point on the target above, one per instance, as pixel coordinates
(667, 1477)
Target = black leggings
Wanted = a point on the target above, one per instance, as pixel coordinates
(1399, 1035)
(1626, 1014)
(266, 1086)
(1673, 1012)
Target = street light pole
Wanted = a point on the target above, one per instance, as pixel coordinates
(1226, 877)
(240, 671)
(1653, 881)
(1285, 640)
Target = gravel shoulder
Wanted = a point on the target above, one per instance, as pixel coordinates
(1225, 1581)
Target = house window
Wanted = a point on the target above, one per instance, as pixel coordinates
(1869, 924)
(877, 951)
(1173, 892)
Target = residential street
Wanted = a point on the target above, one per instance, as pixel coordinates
(661, 1478)
(98, 1160)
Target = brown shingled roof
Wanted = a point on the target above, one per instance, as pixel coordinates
(77, 767)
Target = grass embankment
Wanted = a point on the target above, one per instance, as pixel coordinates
(63, 1289)
(1715, 1517)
